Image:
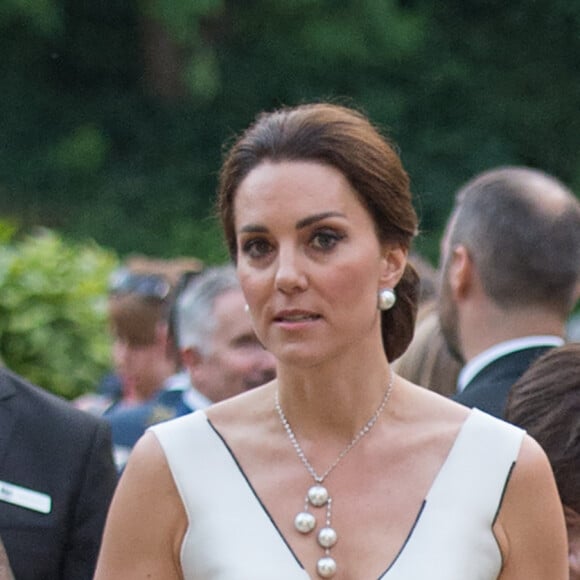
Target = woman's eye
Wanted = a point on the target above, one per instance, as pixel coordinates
(326, 240)
(256, 248)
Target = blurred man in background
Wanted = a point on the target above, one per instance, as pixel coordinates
(219, 351)
(510, 272)
(217, 342)
(145, 358)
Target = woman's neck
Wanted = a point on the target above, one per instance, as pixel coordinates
(337, 399)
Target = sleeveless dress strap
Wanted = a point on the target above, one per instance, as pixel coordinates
(230, 533)
(453, 537)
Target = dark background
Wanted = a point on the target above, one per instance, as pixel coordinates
(113, 113)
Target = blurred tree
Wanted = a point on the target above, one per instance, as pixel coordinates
(114, 112)
(53, 316)
(113, 115)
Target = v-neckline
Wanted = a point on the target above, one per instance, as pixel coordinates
(422, 508)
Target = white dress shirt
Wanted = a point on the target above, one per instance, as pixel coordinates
(479, 362)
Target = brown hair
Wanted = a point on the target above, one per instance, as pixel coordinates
(344, 139)
(135, 316)
(546, 402)
(135, 319)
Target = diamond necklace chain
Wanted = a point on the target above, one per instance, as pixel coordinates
(317, 495)
(363, 431)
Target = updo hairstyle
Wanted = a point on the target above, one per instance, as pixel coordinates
(344, 139)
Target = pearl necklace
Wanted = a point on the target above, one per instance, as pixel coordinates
(317, 495)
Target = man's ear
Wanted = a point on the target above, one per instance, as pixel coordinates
(393, 265)
(460, 272)
(191, 358)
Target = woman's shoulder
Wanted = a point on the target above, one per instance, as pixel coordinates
(245, 422)
(245, 408)
(147, 456)
(427, 405)
(438, 422)
(530, 524)
(532, 464)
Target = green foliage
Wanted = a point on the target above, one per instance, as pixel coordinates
(53, 322)
(7, 231)
(114, 114)
(182, 18)
(42, 15)
(202, 76)
(83, 151)
(94, 148)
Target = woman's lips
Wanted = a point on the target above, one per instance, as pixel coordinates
(296, 320)
(296, 316)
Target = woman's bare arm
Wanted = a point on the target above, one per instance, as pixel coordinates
(530, 527)
(146, 521)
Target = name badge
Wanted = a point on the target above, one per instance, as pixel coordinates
(24, 497)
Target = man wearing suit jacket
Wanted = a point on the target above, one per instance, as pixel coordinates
(510, 278)
(57, 478)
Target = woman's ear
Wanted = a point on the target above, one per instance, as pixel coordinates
(393, 265)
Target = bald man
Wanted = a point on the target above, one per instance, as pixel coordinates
(510, 262)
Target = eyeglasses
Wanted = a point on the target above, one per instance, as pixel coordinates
(123, 281)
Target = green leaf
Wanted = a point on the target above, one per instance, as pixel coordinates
(53, 317)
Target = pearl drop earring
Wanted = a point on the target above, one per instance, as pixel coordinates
(387, 299)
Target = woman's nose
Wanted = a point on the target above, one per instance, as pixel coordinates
(290, 274)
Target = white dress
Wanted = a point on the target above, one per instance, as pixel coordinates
(231, 536)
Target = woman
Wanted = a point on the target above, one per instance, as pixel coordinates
(338, 468)
(545, 401)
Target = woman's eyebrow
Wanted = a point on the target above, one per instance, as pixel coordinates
(303, 223)
(307, 221)
(253, 228)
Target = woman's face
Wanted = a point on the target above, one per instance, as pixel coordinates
(309, 261)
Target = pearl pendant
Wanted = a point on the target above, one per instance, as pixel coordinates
(327, 537)
(326, 567)
(317, 495)
(304, 522)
